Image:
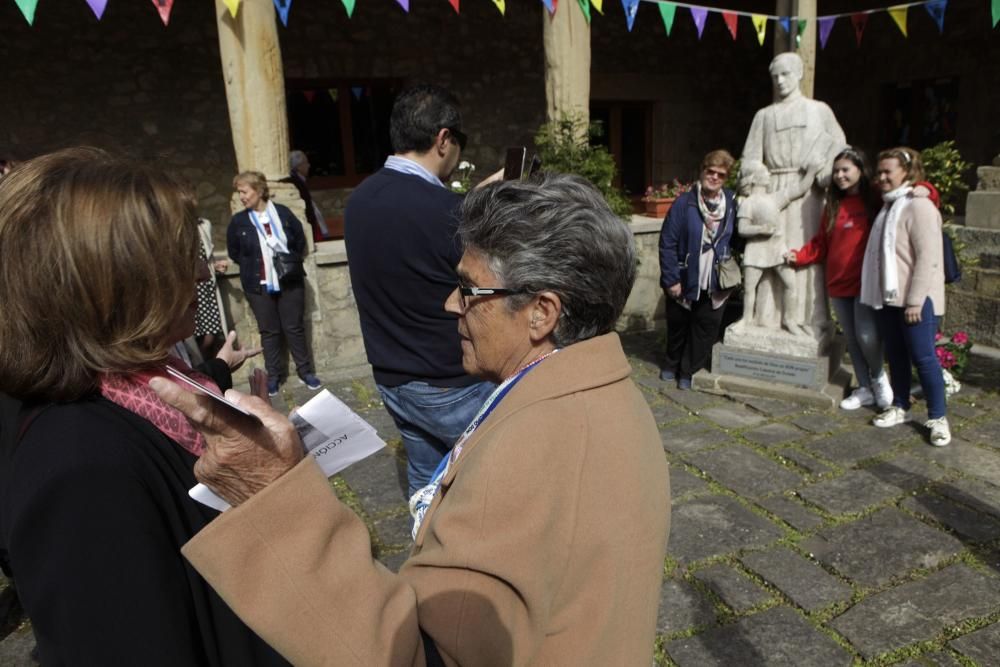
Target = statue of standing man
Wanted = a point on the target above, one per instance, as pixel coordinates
(791, 146)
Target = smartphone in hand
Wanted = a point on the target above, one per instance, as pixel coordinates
(513, 166)
(191, 383)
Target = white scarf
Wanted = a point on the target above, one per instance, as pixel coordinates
(270, 244)
(879, 272)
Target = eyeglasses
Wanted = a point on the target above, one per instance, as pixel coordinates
(465, 292)
(460, 137)
(716, 173)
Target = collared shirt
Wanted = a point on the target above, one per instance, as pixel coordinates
(408, 166)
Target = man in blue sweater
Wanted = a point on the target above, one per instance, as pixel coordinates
(399, 229)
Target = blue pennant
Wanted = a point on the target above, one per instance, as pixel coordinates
(936, 9)
(283, 7)
(631, 7)
(786, 23)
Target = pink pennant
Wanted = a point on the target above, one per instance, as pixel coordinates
(98, 7)
(454, 5)
(699, 14)
(825, 26)
(859, 21)
(164, 7)
(731, 22)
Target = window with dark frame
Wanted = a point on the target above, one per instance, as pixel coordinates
(920, 113)
(626, 131)
(342, 126)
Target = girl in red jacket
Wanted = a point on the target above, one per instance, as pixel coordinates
(840, 242)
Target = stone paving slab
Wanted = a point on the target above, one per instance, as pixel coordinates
(974, 461)
(803, 581)
(771, 407)
(818, 422)
(372, 480)
(778, 637)
(982, 433)
(983, 645)
(968, 523)
(667, 411)
(807, 462)
(979, 495)
(848, 448)
(683, 483)
(851, 492)
(792, 512)
(682, 607)
(933, 659)
(774, 434)
(744, 471)
(918, 610)
(692, 436)
(878, 548)
(16, 648)
(694, 401)
(731, 416)
(735, 589)
(715, 525)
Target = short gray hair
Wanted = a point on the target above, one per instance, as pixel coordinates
(555, 233)
(295, 158)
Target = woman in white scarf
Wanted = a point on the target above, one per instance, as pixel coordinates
(254, 237)
(903, 279)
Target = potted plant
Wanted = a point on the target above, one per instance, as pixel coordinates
(658, 199)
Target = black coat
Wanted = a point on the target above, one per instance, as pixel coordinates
(244, 246)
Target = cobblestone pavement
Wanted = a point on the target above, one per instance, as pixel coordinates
(798, 537)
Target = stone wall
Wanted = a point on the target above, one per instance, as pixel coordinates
(332, 322)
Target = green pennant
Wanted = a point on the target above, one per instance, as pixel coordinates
(801, 29)
(27, 8)
(349, 6)
(667, 12)
(585, 8)
(996, 12)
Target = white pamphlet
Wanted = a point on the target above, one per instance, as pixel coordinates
(331, 432)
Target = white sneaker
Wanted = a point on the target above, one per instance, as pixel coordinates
(883, 391)
(940, 433)
(860, 396)
(891, 416)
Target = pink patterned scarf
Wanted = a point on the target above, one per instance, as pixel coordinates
(132, 392)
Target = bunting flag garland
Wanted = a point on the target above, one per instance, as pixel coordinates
(667, 12)
(349, 6)
(936, 11)
(825, 26)
(357, 91)
(453, 3)
(27, 8)
(599, 6)
(731, 22)
(760, 25)
(630, 7)
(699, 14)
(283, 7)
(333, 93)
(996, 12)
(798, 33)
(550, 6)
(98, 6)
(786, 23)
(164, 7)
(310, 95)
(405, 4)
(898, 15)
(501, 5)
(233, 6)
(585, 7)
(859, 21)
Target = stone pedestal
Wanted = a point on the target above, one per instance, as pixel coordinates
(982, 207)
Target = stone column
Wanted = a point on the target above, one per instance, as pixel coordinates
(566, 37)
(806, 9)
(783, 41)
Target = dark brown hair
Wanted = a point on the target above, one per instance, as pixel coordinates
(834, 195)
(99, 256)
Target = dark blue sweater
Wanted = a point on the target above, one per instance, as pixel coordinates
(402, 252)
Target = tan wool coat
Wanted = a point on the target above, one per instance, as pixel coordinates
(544, 547)
(920, 255)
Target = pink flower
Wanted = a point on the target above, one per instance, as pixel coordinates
(938, 336)
(960, 338)
(946, 358)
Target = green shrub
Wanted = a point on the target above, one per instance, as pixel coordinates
(564, 147)
(945, 168)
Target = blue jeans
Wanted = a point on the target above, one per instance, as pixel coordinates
(431, 419)
(906, 343)
(861, 332)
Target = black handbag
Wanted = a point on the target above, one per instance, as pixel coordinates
(288, 265)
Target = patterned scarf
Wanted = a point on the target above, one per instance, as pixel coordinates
(132, 392)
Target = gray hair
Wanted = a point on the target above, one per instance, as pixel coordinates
(555, 233)
(295, 158)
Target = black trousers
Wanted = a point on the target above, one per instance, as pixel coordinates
(691, 334)
(281, 316)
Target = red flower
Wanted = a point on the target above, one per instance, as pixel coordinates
(960, 338)
(938, 336)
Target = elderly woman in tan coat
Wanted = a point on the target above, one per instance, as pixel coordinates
(541, 538)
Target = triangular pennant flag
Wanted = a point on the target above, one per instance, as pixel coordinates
(898, 15)
(760, 25)
(825, 26)
(798, 33)
(667, 12)
(699, 14)
(283, 7)
(585, 7)
(631, 7)
(859, 21)
(598, 5)
(310, 95)
(501, 5)
(349, 6)
(233, 6)
(164, 7)
(27, 8)
(453, 3)
(405, 4)
(550, 6)
(786, 23)
(357, 91)
(996, 12)
(333, 93)
(936, 10)
(98, 6)
(731, 22)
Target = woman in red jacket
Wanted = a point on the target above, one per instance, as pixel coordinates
(840, 242)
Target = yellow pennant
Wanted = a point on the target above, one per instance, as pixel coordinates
(760, 25)
(598, 5)
(898, 15)
(233, 6)
(502, 6)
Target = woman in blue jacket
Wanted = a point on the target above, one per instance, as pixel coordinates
(255, 236)
(695, 238)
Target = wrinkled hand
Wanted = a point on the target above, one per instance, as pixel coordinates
(241, 456)
(674, 291)
(790, 257)
(912, 314)
(234, 358)
(220, 265)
